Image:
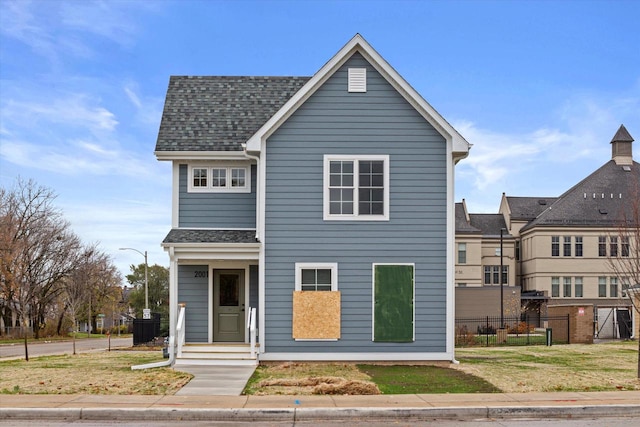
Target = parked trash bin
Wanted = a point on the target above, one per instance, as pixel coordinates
(549, 336)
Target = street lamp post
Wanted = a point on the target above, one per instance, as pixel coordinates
(146, 277)
(501, 280)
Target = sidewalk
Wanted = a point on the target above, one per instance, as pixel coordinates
(296, 408)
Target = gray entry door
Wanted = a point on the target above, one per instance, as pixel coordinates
(228, 306)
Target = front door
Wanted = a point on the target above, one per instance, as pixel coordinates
(228, 306)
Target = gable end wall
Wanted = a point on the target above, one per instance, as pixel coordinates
(333, 121)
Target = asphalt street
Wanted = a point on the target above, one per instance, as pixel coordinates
(10, 351)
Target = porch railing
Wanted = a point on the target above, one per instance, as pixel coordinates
(180, 330)
(251, 324)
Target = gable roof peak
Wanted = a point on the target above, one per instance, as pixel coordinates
(622, 135)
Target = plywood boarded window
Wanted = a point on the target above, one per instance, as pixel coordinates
(316, 315)
(393, 303)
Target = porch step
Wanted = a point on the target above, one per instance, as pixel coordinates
(216, 362)
(216, 354)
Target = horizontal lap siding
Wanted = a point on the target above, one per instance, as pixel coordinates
(216, 210)
(333, 121)
(194, 292)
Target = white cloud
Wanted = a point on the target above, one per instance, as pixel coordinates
(76, 110)
(57, 29)
(545, 160)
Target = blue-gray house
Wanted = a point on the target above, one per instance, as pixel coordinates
(313, 218)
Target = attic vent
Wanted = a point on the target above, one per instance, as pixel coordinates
(626, 168)
(357, 79)
(603, 211)
(542, 202)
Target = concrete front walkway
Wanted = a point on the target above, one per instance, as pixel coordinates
(215, 380)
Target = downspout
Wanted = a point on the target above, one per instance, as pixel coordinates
(260, 239)
(168, 362)
(257, 159)
(172, 327)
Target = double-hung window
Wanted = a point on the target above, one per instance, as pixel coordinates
(624, 246)
(462, 253)
(555, 287)
(555, 245)
(579, 245)
(356, 188)
(316, 276)
(219, 178)
(566, 286)
(602, 246)
(566, 251)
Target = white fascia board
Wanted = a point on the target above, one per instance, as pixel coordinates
(254, 144)
(200, 155)
(460, 146)
(357, 357)
(214, 247)
(207, 251)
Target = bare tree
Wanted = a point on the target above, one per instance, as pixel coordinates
(625, 265)
(76, 288)
(105, 282)
(38, 250)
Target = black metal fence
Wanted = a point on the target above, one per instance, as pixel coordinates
(486, 331)
(146, 330)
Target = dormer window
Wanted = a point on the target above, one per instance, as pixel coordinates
(219, 178)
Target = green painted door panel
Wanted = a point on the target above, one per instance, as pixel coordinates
(393, 303)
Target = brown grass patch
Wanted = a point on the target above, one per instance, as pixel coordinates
(322, 385)
(576, 367)
(293, 378)
(90, 373)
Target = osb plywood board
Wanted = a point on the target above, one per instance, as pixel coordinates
(316, 315)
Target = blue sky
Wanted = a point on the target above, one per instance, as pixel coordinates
(538, 87)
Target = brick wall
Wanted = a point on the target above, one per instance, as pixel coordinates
(580, 323)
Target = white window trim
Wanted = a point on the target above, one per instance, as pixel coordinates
(228, 188)
(333, 266)
(356, 185)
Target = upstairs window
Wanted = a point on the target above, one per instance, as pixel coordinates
(555, 245)
(578, 245)
(356, 188)
(602, 246)
(613, 247)
(624, 246)
(219, 178)
(462, 253)
(566, 247)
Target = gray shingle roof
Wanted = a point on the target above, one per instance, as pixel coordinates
(210, 236)
(218, 113)
(622, 135)
(462, 225)
(490, 224)
(604, 198)
(528, 208)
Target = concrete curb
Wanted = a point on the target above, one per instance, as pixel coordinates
(309, 414)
